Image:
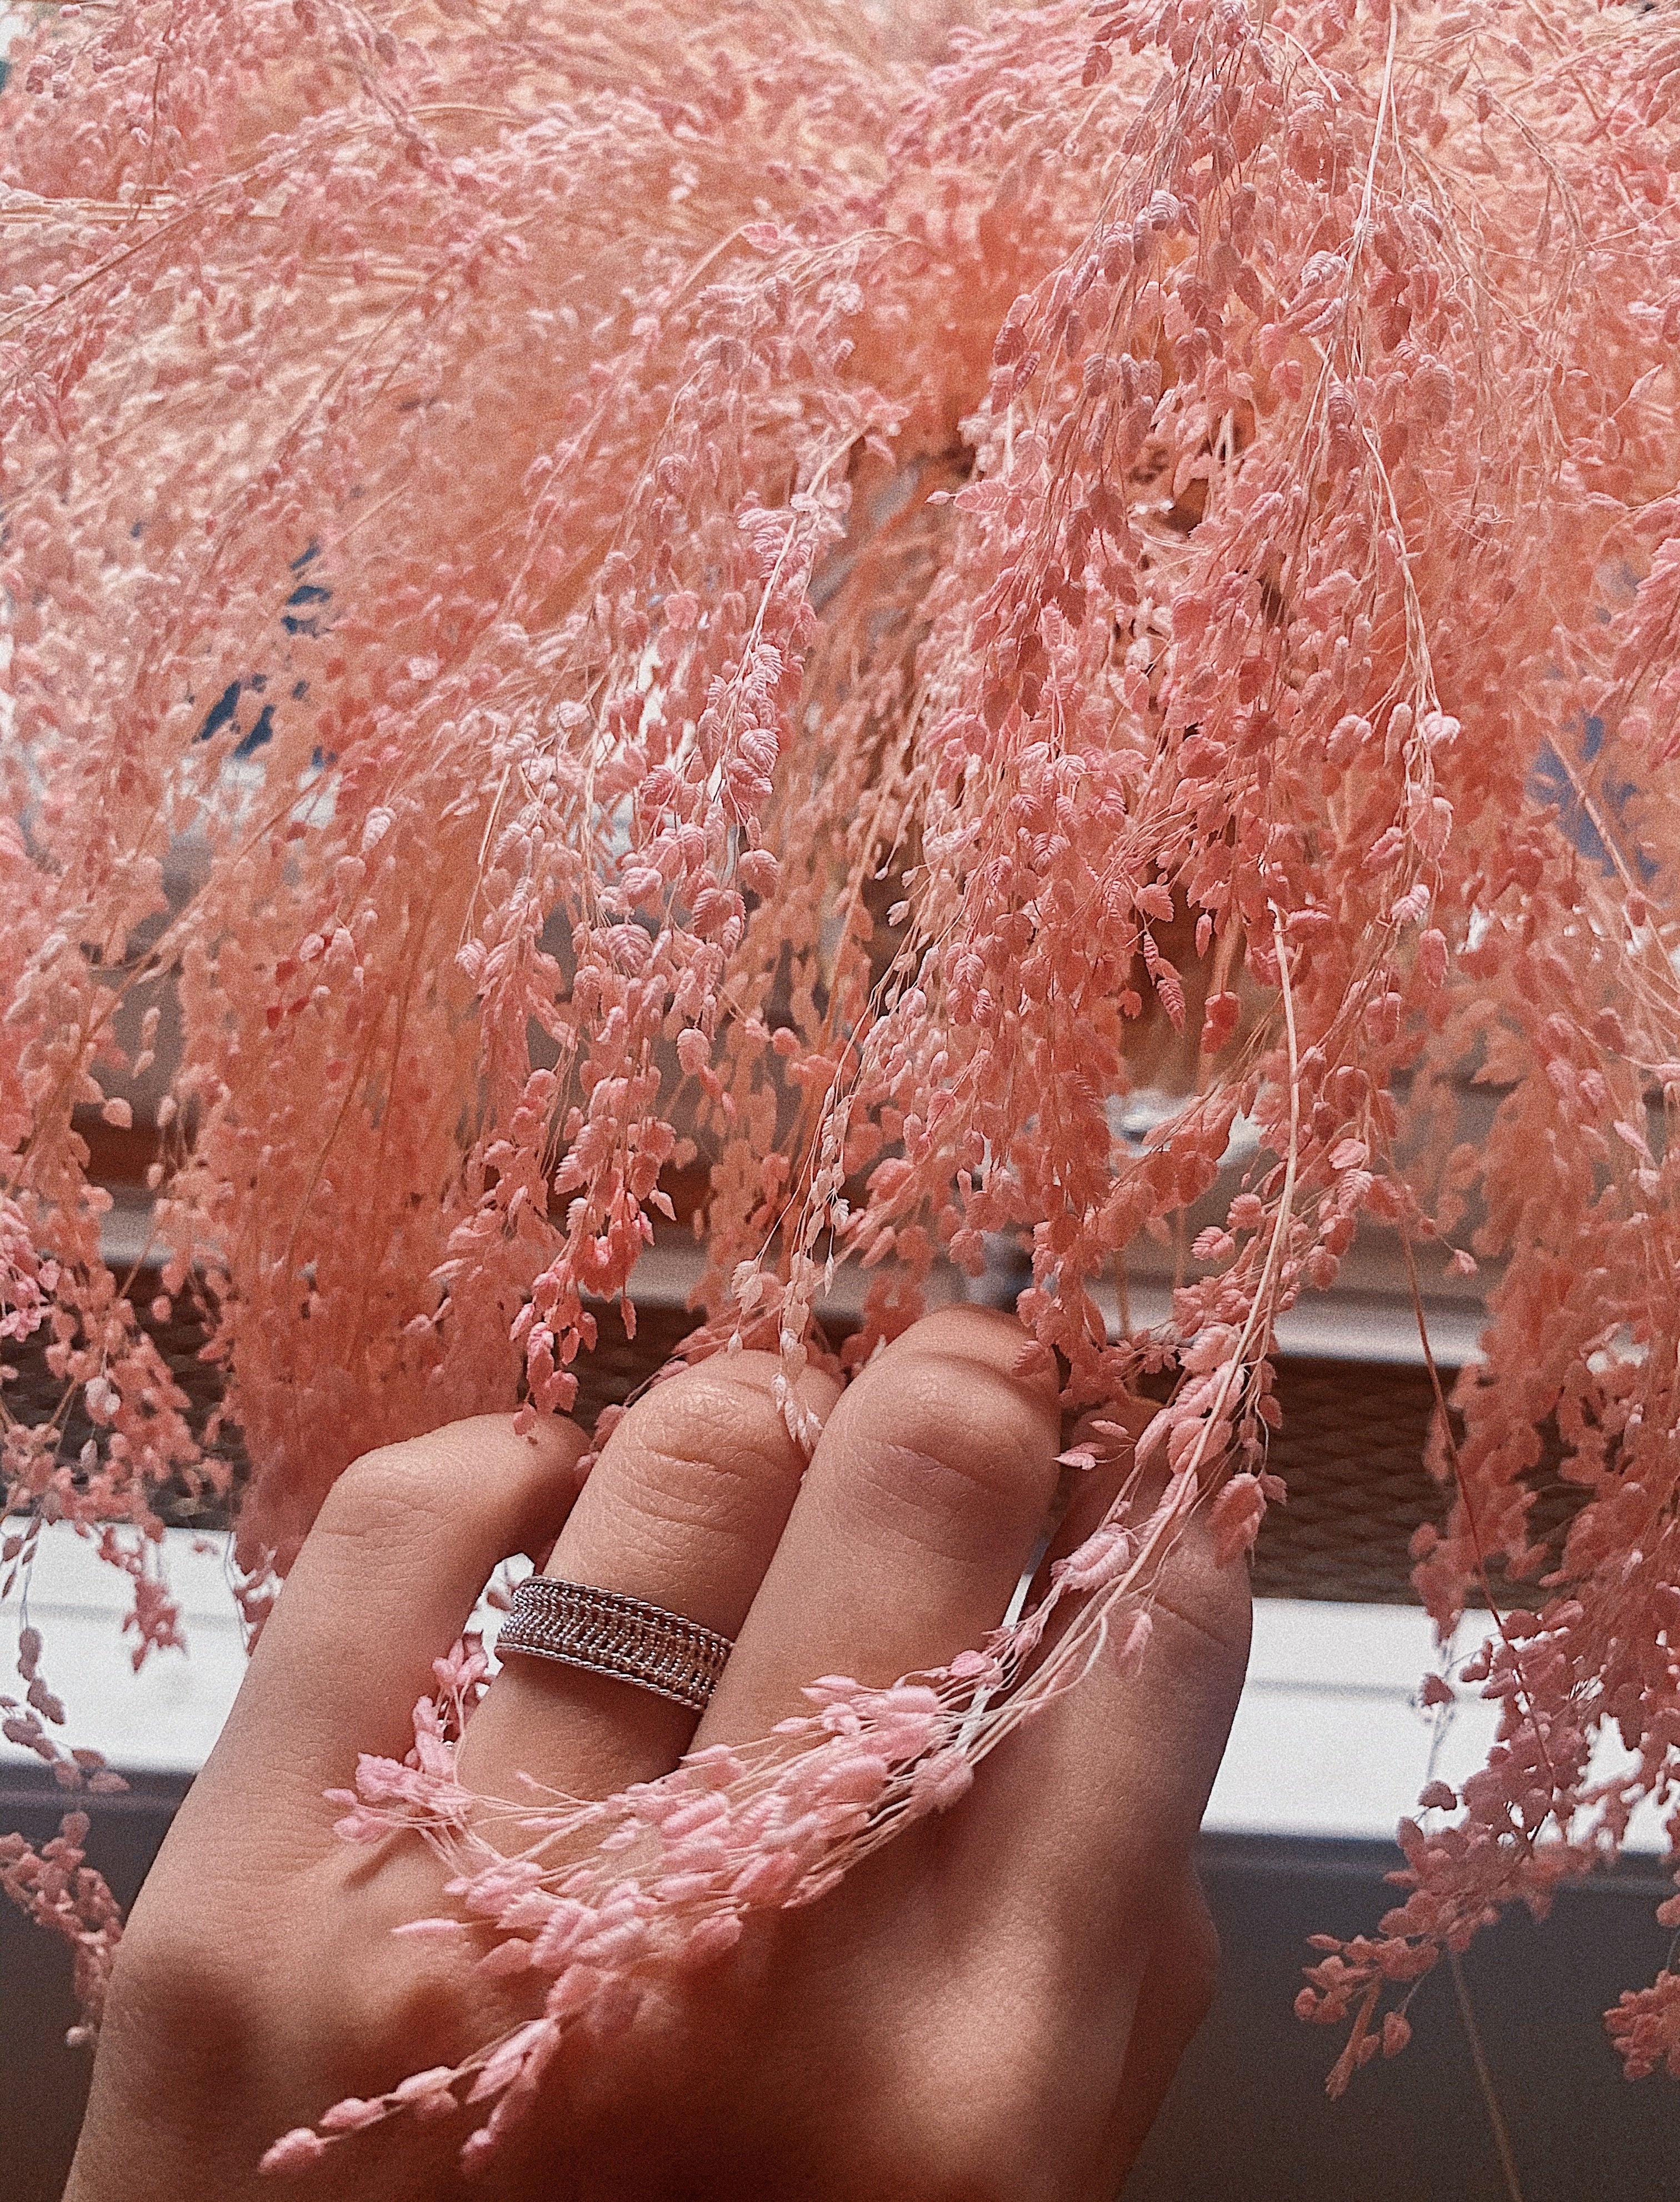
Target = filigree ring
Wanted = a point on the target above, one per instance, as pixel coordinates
(605, 1633)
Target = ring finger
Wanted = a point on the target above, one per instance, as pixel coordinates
(684, 1510)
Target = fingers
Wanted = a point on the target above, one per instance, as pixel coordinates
(924, 1502)
(1085, 1817)
(684, 1508)
(1183, 1695)
(1144, 1739)
(1129, 1754)
(385, 1581)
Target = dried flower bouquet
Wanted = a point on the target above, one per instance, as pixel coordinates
(591, 592)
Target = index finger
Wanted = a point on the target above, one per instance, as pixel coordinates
(385, 1581)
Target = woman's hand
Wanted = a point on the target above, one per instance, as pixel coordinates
(992, 2006)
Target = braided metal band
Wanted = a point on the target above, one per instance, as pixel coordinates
(605, 1633)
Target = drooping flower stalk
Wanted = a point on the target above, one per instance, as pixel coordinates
(593, 594)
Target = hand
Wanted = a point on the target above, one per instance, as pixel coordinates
(990, 2006)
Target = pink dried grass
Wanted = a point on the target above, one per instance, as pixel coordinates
(790, 563)
(55, 1887)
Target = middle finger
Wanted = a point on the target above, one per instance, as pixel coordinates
(927, 1491)
(683, 1510)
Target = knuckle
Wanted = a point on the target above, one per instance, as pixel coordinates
(395, 2001)
(391, 1491)
(955, 1434)
(419, 1485)
(988, 1336)
(1208, 1605)
(715, 1397)
(176, 1982)
(694, 1442)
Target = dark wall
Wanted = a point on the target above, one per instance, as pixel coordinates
(1248, 2120)
(44, 2085)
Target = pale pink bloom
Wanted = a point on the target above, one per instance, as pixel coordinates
(929, 664)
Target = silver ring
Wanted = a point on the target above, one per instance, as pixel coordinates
(605, 1633)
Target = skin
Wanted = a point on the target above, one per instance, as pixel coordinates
(988, 2010)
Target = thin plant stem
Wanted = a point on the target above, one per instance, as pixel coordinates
(1484, 2078)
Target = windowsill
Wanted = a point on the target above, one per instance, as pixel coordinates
(1329, 1743)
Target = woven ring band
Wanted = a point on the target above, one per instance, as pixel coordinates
(605, 1633)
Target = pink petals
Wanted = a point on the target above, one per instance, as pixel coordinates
(56, 1888)
(670, 1890)
(940, 727)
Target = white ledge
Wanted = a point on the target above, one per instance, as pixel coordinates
(1329, 1741)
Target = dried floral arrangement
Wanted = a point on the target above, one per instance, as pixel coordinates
(747, 588)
